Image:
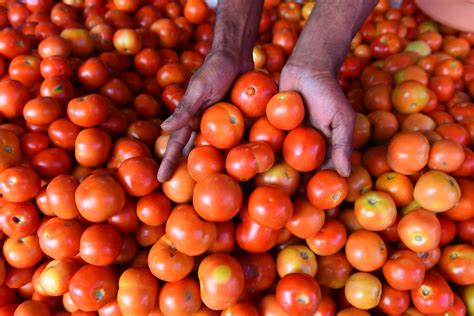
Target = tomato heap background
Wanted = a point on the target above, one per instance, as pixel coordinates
(248, 224)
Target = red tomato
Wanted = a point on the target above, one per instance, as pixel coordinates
(326, 189)
(100, 245)
(304, 149)
(180, 297)
(285, 110)
(433, 295)
(363, 244)
(137, 291)
(270, 207)
(298, 293)
(403, 270)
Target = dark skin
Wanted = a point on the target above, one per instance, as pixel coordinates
(310, 70)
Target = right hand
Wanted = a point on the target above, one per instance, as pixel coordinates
(208, 85)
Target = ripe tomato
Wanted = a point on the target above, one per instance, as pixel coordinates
(333, 270)
(270, 206)
(457, 264)
(54, 279)
(138, 176)
(462, 210)
(433, 295)
(410, 97)
(403, 270)
(280, 175)
(18, 219)
(179, 188)
(88, 111)
(245, 161)
(358, 182)
(100, 245)
(399, 187)
(253, 237)
(436, 191)
(92, 287)
(298, 293)
(304, 149)
(363, 244)
(190, 235)
(375, 210)
(22, 252)
(393, 301)
(446, 155)
(408, 152)
(99, 197)
(50, 163)
(204, 160)
(19, 184)
(326, 189)
(285, 110)
(329, 239)
(92, 147)
(306, 220)
(32, 307)
(60, 238)
(222, 125)
(10, 151)
(363, 290)
(217, 197)
(180, 297)
(419, 230)
(251, 93)
(41, 111)
(137, 291)
(263, 131)
(296, 259)
(222, 281)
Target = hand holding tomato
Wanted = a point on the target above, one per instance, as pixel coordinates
(207, 86)
(327, 110)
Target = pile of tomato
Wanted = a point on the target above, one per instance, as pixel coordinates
(249, 223)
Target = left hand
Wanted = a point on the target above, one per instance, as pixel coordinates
(327, 110)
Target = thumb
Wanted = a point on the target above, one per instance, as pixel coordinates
(342, 135)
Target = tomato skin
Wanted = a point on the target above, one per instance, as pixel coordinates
(296, 259)
(461, 211)
(60, 238)
(434, 295)
(97, 192)
(263, 131)
(298, 293)
(253, 237)
(393, 301)
(326, 189)
(403, 270)
(306, 220)
(92, 147)
(259, 271)
(280, 175)
(19, 184)
(270, 207)
(180, 297)
(179, 188)
(251, 93)
(217, 192)
(420, 230)
(221, 281)
(18, 219)
(362, 244)
(457, 263)
(285, 110)
(408, 152)
(190, 235)
(100, 245)
(50, 163)
(333, 270)
(375, 210)
(329, 240)
(304, 149)
(138, 176)
(244, 161)
(92, 287)
(10, 151)
(137, 291)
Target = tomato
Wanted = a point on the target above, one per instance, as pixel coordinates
(99, 192)
(13, 97)
(10, 151)
(280, 175)
(285, 110)
(222, 125)
(298, 293)
(188, 232)
(137, 291)
(397, 185)
(434, 295)
(54, 279)
(19, 219)
(419, 230)
(263, 131)
(306, 220)
(217, 192)
(13, 43)
(253, 237)
(329, 239)
(138, 176)
(50, 163)
(384, 125)
(180, 297)
(385, 45)
(403, 270)
(23, 252)
(19, 184)
(361, 131)
(375, 210)
(270, 207)
(60, 238)
(31, 307)
(456, 263)
(304, 149)
(376, 162)
(204, 160)
(358, 182)
(326, 189)
(92, 287)
(179, 188)
(408, 152)
(221, 281)
(410, 96)
(437, 191)
(26, 69)
(393, 301)
(296, 259)
(251, 93)
(362, 244)
(363, 290)
(100, 245)
(245, 161)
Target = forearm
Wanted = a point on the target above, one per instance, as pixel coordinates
(236, 26)
(327, 35)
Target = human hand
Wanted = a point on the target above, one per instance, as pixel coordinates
(327, 109)
(207, 86)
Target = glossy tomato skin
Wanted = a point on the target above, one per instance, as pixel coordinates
(403, 270)
(326, 189)
(304, 149)
(420, 230)
(222, 281)
(285, 110)
(180, 297)
(306, 220)
(296, 259)
(100, 245)
(259, 271)
(138, 176)
(363, 244)
(19, 219)
(375, 210)
(298, 293)
(457, 264)
(92, 287)
(137, 291)
(329, 239)
(434, 295)
(251, 93)
(270, 207)
(393, 301)
(19, 184)
(253, 237)
(60, 238)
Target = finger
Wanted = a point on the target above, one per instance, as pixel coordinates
(193, 99)
(174, 150)
(189, 146)
(342, 135)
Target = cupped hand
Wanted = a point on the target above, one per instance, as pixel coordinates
(327, 110)
(208, 85)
